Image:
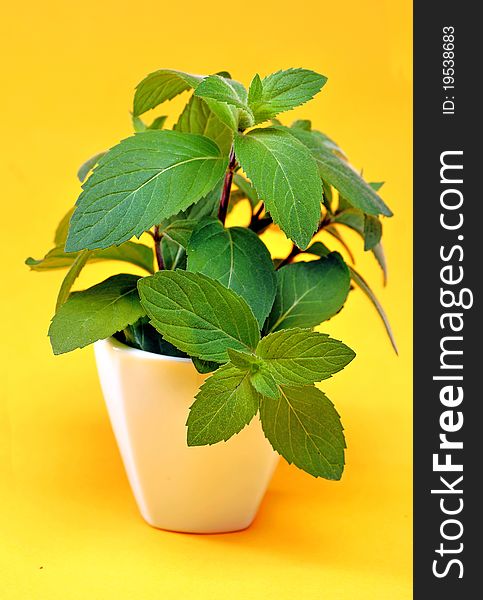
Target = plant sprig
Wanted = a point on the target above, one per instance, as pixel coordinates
(217, 296)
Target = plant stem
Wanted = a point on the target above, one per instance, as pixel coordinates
(225, 195)
(157, 247)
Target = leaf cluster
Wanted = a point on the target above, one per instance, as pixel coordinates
(216, 295)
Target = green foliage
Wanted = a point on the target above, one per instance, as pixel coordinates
(301, 356)
(160, 86)
(283, 91)
(197, 117)
(338, 173)
(218, 297)
(285, 176)
(130, 252)
(309, 293)
(95, 313)
(304, 427)
(141, 181)
(237, 258)
(198, 314)
(225, 403)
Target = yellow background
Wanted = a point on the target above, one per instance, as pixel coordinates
(69, 528)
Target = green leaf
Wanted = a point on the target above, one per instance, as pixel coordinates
(88, 166)
(139, 125)
(72, 274)
(141, 181)
(63, 228)
(301, 356)
(255, 91)
(372, 232)
(354, 219)
(309, 292)
(198, 315)
(237, 258)
(246, 188)
(263, 381)
(130, 252)
(319, 249)
(243, 360)
(158, 122)
(160, 86)
(143, 336)
(95, 313)
(228, 92)
(304, 124)
(207, 206)
(225, 403)
(341, 175)
(180, 231)
(334, 232)
(285, 177)
(304, 427)
(197, 117)
(362, 283)
(204, 366)
(283, 91)
(173, 254)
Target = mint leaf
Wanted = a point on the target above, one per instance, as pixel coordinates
(355, 219)
(372, 232)
(309, 292)
(237, 258)
(95, 313)
(204, 366)
(180, 231)
(255, 91)
(173, 254)
(72, 274)
(304, 124)
(362, 283)
(143, 336)
(139, 125)
(226, 91)
(319, 249)
(304, 427)
(197, 117)
(341, 175)
(158, 122)
(141, 181)
(283, 91)
(225, 403)
(301, 356)
(63, 228)
(160, 86)
(265, 384)
(88, 166)
(285, 177)
(243, 360)
(198, 315)
(130, 252)
(246, 188)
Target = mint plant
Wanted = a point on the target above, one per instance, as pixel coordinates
(216, 295)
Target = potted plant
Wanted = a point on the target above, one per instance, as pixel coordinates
(208, 364)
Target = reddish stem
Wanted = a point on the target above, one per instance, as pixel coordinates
(225, 195)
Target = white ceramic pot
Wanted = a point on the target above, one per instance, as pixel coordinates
(203, 489)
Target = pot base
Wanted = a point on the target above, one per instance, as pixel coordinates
(202, 489)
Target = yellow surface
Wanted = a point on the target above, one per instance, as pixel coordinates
(69, 528)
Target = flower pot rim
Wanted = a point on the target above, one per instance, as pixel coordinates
(120, 347)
